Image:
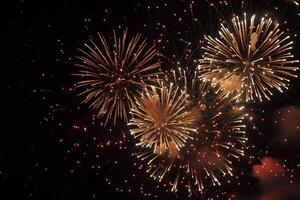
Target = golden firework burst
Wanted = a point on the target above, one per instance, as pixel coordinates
(254, 56)
(111, 74)
(218, 140)
(161, 120)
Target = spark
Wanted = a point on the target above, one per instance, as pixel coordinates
(296, 2)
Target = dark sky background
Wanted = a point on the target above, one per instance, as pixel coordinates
(45, 150)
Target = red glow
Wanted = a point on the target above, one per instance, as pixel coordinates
(268, 169)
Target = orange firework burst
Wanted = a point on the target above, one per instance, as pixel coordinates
(255, 54)
(111, 75)
(161, 121)
(219, 138)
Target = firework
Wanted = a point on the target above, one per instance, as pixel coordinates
(254, 56)
(219, 138)
(161, 121)
(111, 75)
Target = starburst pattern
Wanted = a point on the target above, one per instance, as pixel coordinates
(219, 138)
(111, 75)
(161, 120)
(255, 56)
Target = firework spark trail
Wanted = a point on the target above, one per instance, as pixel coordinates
(258, 54)
(111, 75)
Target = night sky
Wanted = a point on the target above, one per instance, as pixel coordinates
(53, 147)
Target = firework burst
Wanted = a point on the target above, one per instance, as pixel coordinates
(249, 57)
(161, 121)
(111, 75)
(219, 138)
